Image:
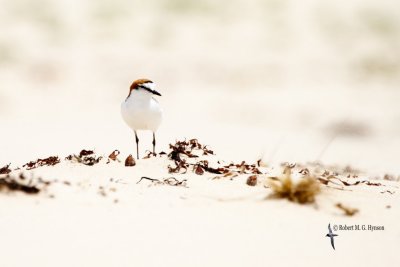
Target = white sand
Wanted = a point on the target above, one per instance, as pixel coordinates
(209, 222)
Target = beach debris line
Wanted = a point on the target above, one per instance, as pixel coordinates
(50, 161)
(21, 183)
(347, 210)
(130, 161)
(5, 169)
(337, 181)
(198, 167)
(187, 153)
(302, 190)
(86, 157)
(172, 181)
(244, 168)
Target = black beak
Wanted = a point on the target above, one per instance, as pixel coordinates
(155, 92)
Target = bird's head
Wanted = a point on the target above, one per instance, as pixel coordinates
(144, 85)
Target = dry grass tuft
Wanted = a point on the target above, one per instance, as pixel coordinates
(302, 191)
(347, 210)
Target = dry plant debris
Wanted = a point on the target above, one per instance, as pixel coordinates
(302, 191)
(180, 167)
(347, 210)
(252, 180)
(5, 169)
(183, 151)
(172, 181)
(114, 156)
(391, 177)
(50, 161)
(187, 148)
(198, 169)
(205, 165)
(150, 154)
(334, 179)
(229, 174)
(244, 168)
(130, 161)
(86, 157)
(21, 183)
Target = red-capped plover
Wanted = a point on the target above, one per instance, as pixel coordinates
(141, 111)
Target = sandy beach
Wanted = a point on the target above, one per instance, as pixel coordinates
(268, 86)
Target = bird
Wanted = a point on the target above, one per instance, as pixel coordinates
(331, 235)
(141, 111)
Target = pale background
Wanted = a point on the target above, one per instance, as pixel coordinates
(255, 78)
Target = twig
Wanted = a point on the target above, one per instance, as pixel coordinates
(172, 181)
(148, 178)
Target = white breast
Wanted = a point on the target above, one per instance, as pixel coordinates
(141, 111)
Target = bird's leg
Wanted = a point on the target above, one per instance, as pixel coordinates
(137, 145)
(154, 143)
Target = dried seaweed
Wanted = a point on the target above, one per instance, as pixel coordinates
(50, 161)
(303, 191)
(304, 171)
(130, 161)
(228, 174)
(186, 148)
(5, 169)
(244, 168)
(179, 165)
(252, 180)
(323, 181)
(86, 157)
(172, 181)
(113, 156)
(85, 153)
(371, 183)
(288, 165)
(259, 162)
(347, 210)
(332, 178)
(149, 155)
(198, 169)
(204, 164)
(387, 191)
(12, 183)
